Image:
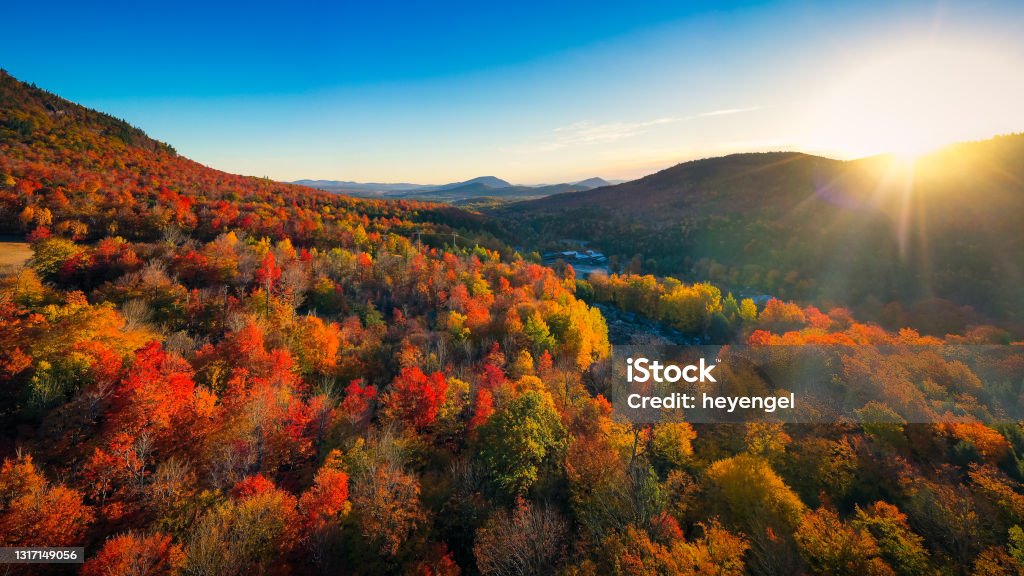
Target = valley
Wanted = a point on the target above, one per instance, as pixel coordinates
(814, 229)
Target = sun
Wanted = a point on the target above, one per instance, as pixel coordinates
(909, 101)
(907, 147)
(904, 162)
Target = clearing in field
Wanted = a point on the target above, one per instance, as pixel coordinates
(14, 254)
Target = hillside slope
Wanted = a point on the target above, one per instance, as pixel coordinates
(71, 171)
(744, 182)
(203, 373)
(255, 339)
(861, 233)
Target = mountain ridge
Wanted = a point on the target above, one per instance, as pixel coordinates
(481, 186)
(800, 226)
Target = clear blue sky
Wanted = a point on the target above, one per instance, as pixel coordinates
(531, 92)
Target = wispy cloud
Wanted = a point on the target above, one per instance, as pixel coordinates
(589, 132)
(726, 111)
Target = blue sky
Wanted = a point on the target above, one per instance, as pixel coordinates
(531, 92)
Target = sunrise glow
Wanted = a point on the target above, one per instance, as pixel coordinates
(911, 100)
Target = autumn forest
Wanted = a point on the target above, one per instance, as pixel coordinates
(210, 374)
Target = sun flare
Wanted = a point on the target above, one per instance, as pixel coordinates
(909, 102)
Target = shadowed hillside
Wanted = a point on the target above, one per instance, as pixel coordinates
(863, 232)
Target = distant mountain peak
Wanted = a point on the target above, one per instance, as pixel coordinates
(595, 182)
(490, 181)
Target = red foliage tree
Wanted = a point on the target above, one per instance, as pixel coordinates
(416, 397)
(358, 403)
(483, 408)
(269, 272)
(157, 394)
(136, 555)
(326, 500)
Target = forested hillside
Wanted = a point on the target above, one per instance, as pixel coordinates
(203, 373)
(889, 237)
